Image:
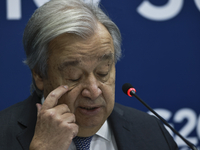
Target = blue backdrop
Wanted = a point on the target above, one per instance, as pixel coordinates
(161, 57)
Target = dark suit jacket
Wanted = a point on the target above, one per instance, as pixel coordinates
(133, 129)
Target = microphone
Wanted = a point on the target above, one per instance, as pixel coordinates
(130, 91)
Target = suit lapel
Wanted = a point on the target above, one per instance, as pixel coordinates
(27, 121)
(126, 133)
(121, 129)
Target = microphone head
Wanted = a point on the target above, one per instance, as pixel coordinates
(126, 87)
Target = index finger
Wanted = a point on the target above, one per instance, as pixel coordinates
(52, 99)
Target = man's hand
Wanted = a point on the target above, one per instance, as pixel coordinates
(55, 127)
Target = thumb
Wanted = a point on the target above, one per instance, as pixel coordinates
(39, 106)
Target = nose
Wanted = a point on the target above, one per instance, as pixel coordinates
(91, 88)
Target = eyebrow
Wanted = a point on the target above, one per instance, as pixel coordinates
(69, 63)
(109, 56)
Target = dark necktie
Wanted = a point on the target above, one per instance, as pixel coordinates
(82, 143)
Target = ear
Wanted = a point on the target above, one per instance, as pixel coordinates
(38, 80)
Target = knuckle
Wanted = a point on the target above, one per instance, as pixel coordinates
(50, 114)
(68, 126)
(65, 106)
(75, 130)
(59, 120)
(76, 127)
(65, 125)
(73, 116)
(52, 94)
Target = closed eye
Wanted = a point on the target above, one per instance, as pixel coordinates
(102, 74)
(75, 80)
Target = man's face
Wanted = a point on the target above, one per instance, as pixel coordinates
(87, 66)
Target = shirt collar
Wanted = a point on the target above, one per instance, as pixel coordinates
(42, 100)
(105, 131)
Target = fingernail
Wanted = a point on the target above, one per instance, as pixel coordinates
(65, 86)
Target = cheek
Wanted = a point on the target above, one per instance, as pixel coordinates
(68, 100)
(109, 97)
(72, 85)
(71, 98)
(48, 87)
(111, 80)
(108, 90)
(51, 83)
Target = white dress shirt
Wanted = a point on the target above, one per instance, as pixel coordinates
(103, 140)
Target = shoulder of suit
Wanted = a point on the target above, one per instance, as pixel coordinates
(127, 109)
(130, 113)
(14, 111)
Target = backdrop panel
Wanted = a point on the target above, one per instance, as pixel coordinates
(161, 57)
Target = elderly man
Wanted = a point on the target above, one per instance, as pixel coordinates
(72, 48)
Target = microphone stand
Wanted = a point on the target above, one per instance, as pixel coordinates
(164, 121)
